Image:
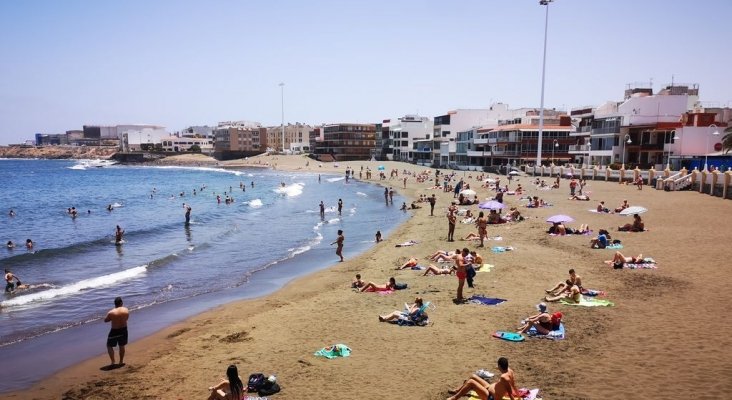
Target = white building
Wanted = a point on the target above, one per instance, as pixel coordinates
(140, 137)
(181, 144)
(402, 135)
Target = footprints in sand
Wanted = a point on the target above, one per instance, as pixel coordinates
(237, 337)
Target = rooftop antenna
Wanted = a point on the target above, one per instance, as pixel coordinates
(672, 79)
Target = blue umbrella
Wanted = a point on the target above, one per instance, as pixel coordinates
(559, 219)
(491, 205)
(380, 167)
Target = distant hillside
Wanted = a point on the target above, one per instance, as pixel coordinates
(56, 152)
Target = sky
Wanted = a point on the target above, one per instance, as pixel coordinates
(176, 63)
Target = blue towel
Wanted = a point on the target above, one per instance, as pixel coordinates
(488, 301)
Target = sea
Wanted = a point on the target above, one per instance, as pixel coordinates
(165, 270)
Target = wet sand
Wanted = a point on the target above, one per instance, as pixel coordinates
(665, 334)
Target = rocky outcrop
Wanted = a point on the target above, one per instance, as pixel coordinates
(57, 152)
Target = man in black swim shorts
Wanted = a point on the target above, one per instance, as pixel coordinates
(118, 334)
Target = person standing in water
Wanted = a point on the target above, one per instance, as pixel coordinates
(339, 241)
(9, 284)
(118, 333)
(118, 235)
(188, 213)
(322, 210)
(340, 206)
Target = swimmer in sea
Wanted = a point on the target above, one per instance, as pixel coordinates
(118, 235)
(29, 244)
(188, 213)
(9, 284)
(11, 213)
(10, 245)
(110, 208)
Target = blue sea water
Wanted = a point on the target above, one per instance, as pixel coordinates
(75, 269)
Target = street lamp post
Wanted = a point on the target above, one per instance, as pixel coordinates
(706, 149)
(626, 139)
(543, 74)
(282, 98)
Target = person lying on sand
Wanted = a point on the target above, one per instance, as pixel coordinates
(412, 262)
(623, 206)
(574, 279)
(442, 255)
(505, 387)
(372, 287)
(581, 197)
(357, 283)
(570, 292)
(431, 269)
(619, 260)
(411, 310)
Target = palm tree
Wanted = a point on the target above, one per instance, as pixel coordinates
(727, 140)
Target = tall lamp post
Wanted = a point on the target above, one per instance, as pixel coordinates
(556, 144)
(706, 149)
(626, 139)
(543, 74)
(282, 95)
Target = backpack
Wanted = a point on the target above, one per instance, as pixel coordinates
(256, 382)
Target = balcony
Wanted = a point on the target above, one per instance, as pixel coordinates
(579, 148)
(480, 141)
(606, 131)
(582, 131)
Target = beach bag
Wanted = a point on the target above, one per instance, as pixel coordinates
(400, 286)
(256, 382)
(268, 389)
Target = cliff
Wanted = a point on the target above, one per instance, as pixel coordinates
(56, 152)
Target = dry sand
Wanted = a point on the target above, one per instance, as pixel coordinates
(666, 336)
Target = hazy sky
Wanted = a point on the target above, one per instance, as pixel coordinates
(178, 63)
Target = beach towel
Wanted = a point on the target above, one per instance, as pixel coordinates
(615, 246)
(384, 292)
(640, 265)
(524, 394)
(500, 249)
(487, 301)
(407, 243)
(592, 292)
(418, 267)
(337, 350)
(554, 335)
(485, 268)
(588, 302)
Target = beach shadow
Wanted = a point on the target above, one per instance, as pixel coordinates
(111, 367)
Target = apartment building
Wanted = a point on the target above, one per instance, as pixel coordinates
(401, 134)
(181, 144)
(239, 139)
(346, 142)
(296, 137)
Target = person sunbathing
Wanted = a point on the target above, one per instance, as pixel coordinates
(581, 197)
(357, 283)
(441, 255)
(411, 310)
(619, 260)
(558, 229)
(372, 287)
(412, 262)
(542, 322)
(636, 226)
(571, 292)
(574, 279)
(622, 206)
(601, 208)
(515, 214)
(431, 269)
(471, 236)
(505, 387)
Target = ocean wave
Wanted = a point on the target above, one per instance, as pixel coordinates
(256, 203)
(74, 288)
(336, 179)
(290, 190)
(362, 194)
(205, 169)
(77, 166)
(334, 220)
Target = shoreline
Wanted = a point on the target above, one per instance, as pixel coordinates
(250, 333)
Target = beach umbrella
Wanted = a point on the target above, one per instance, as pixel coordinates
(380, 167)
(468, 192)
(491, 205)
(633, 210)
(513, 173)
(559, 218)
(569, 174)
(490, 180)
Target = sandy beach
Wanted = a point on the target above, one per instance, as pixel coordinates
(665, 336)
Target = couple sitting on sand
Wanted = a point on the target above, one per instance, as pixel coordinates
(558, 228)
(571, 289)
(636, 226)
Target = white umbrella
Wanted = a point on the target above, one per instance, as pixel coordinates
(490, 180)
(513, 173)
(468, 192)
(633, 210)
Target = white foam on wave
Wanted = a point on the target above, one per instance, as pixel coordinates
(74, 288)
(208, 169)
(117, 205)
(290, 190)
(336, 179)
(316, 227)
(331, 209)
(334, 220)
(77, 166)
(256, 203)
(352, 211)
(362, 194)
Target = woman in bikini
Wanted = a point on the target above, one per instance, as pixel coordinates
(439, 271)
(372, 287)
